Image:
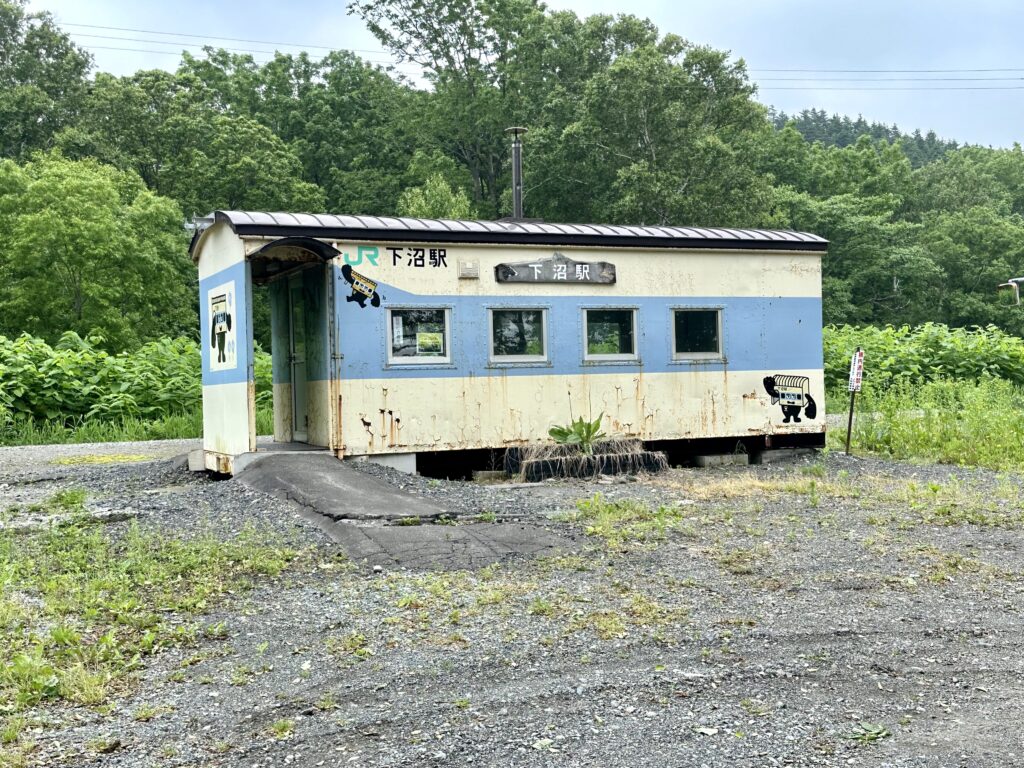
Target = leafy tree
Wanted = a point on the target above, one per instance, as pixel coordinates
(238, 164)
(960, 181)
(89, 249)
(141, 123)
(665, 135)
(435, 199)
(42, 79)
(355, 129)
(976, 249)
(460, 44)
(172, 130)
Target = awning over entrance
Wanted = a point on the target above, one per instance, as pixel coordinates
(281, 256)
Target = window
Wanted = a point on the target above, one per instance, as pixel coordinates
(609, 334)
(696, 333)
(419, 336)
(518, 335)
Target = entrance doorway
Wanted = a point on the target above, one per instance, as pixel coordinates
(297, 358)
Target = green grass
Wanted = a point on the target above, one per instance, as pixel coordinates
(282, 729)
(80, 611)
(951, 422)
(70, 501)
(625, 521)
(21, 430)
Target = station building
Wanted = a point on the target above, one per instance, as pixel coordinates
(412, 340)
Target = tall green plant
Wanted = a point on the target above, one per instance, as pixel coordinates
(579, 432)
(74, 383)
(923, 353)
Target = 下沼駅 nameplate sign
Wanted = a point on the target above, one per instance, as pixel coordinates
(556, 269)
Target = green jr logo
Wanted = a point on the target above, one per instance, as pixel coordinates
(368, 252)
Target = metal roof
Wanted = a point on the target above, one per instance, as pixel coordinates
(395, 229)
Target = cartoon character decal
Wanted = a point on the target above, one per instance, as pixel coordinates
(363, 288)
(792, 392)
(224, 355)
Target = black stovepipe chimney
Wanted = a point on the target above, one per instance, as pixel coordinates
(517, 171)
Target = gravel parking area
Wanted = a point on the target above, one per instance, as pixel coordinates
(830, 611)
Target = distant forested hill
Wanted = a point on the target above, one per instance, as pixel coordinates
(841, 131)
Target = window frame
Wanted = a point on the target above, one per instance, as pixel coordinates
(632, 357)
(508, 360)
(390, 357)
(685, 357)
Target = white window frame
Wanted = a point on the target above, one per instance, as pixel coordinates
(416, 360)
(613, 358)
(512, 359)
(684, 356)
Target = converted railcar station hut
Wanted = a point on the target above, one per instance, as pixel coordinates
(402, 338)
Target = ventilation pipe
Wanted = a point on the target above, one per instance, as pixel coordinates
(517, 171)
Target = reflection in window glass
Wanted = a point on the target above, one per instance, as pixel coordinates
(418, 333)
(610, 332)
(517, 333)
(696, 331)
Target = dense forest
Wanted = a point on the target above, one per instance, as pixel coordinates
(99, 174)
(816, 125)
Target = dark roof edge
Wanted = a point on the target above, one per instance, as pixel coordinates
(523, 238)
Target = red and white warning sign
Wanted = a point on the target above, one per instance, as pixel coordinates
(856, 370)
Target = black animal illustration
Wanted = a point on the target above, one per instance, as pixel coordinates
(504, 273)
(363, 288)
(792, 393)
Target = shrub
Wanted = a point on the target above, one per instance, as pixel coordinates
(924, 353)
(74, 390)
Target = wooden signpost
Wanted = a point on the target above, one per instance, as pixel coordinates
(856, 376)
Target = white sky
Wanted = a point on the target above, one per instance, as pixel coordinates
(768, 34)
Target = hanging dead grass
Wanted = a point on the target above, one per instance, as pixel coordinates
(610, 457)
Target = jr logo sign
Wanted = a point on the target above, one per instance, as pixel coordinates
(367, 253)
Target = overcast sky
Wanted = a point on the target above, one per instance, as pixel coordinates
(769, 34)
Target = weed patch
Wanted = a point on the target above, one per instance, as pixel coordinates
(607, 624)
(738, 561)
(946, 421)
(80, 611)
(940, 567)
(70, 501)
(951, 503)
(867, 733)
(623, 522)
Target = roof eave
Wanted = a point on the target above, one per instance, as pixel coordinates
(261, 224)
(529, 238)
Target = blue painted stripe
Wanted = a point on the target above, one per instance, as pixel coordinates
(759, 334)
(240, 324)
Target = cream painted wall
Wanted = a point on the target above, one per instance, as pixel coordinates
(218, 249)
(228, 422)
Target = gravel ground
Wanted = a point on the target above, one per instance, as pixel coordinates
(788, 605)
